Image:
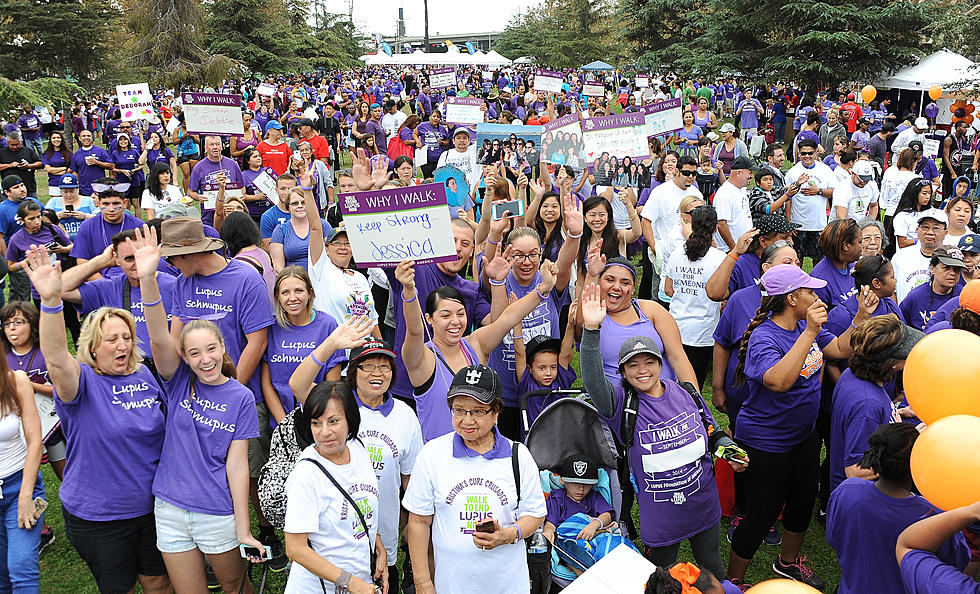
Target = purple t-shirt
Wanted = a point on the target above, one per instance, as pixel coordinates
(128, 159)
(20, 243)
(735, 317)
(543, 320)
(430, 136)
(32, 363)
(108, 472)
(428, 278)
(236, 299)
(925, 573)
(561, 506)
(30, 120)
(255, 209)
(922, 302)
(863, 525)
(779, 421)
(289, 346)
(563, 380)
(859, 408)
(840, 318)
(89, 173)
(840, 283)
(747, 271)
(55, 159)
(161, 155)
(942, 314)
(108, 292)
(192, 474)
(203, 179)
(95, 234)
(749, 118)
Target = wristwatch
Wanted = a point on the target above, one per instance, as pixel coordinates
(340, 586)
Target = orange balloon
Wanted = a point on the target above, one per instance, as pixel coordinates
(941, 375)
(945, 465)
(868, 93)
(935, 92)
(782, 587)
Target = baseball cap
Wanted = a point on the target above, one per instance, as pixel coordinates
(305, 122)
(460, 130)
(775, 223)
(970, 296)
(373, 347)
(14, 180)
(538, 344)
(69, 180)
(476, 381)
(850, 96)
(921, 123)
(864, 120)
(970, 243)
(863, 170)
(934, 214)
(273, 125)
(888, 127)
(579, 469)
(950, 256)
(638, 345)
(910, 337)
(333, 233)
(712, 136)
(743, 162)
(916, 146)
(727, 127)
(782, 279)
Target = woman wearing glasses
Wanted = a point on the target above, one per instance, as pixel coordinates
(291, 239)
(873, 239)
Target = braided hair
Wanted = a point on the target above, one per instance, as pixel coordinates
(889, 451)
(771, 304)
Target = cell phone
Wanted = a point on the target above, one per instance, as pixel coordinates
(40, 504)
(515, 207)
(487, 527)
(248, 551)
(69, 208)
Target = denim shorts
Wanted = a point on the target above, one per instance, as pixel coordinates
(179, 530)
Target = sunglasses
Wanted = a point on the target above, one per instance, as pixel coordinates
(122, 188)
(807, 153)
(687, 172)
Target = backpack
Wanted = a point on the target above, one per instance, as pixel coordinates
(286, 447)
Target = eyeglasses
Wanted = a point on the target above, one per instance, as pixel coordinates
(339, 243)
(925, 182)
(122, 188)
(129, 259)
(520, 258)
(870, 238)
(933, 228)
(479, 413)
(372, 367)
(687, 172)
(14, 323)
(807, 153)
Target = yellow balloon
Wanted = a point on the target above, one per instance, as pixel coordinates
(935, 92)
(782, 587)
(944, 463)
(941, 375)
(868, 93)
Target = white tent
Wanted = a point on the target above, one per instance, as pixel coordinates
(495, 59)
(943, 68)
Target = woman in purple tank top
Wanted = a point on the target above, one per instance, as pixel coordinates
(626, 317)
(703, 118)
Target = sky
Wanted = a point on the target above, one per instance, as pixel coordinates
(444, 15)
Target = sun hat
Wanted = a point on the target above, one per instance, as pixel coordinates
(185, 235)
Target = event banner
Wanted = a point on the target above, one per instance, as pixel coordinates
(561, 142)
(135, 101)
(464, 110)
(663, 117)
(442, 78)
(548, 81)
(212, 113)
(642, 81)
(593, 88)
(620, 134)
(387, 226)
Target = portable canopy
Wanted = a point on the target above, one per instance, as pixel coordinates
(943, 68)
(597, 66)
(494, 59)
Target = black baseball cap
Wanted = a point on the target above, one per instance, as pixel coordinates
(579, 469)
(373, 347)
(775, 223)
(539, 344)
(916, 146)
(743, 162)
(476, 381)
(10, 181)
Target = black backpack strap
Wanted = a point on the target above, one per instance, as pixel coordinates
(515, 464)
(127, 301)
(631, 402)
(714, 434)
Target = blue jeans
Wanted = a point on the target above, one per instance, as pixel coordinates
(36, 145)
(19, 571)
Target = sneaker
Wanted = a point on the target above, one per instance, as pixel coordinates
(279, 559)
(742, 585)
(799, 571)
(213, 583)
(47, 537)
(736, 518)
(774, 538)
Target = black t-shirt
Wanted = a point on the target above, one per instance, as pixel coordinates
(27, 175)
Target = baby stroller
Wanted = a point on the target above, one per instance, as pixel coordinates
(569, 424)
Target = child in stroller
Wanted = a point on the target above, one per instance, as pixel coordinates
(544, 363)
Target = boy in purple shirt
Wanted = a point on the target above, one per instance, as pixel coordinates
(578, 475)
(544, 363)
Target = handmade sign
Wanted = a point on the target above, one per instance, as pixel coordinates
(561, 142)
(265, 184)
(135, 102)
(930, 148)
(593, 89)
(548, 81)
(621, 134)
(663, 117)
(442, 78)
(266, 90)
(464, 110)
(642, 81)
(212, 113)
(387, 226)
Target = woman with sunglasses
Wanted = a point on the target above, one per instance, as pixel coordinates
(916, 198)
(126, 166)
(741, 269)
(678, 235)
(877, 273)
(290, 244)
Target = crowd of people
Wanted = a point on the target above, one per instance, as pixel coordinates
(231, 356)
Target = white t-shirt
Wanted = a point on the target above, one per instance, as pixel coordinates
(393, 442)
(391, 122)
(856, 200)
(314, 506)
(911, 270)
(171, 195)
(732, 205)
(903, 139)
(893, 183)
(696, 315)
(462, 492)
(906, 225)
(810, 212)
(340, 294)
(954, 240)
(673, 241)
(662, 208)
(465, 162)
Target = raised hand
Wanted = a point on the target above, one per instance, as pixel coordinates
(522, 181)
(593, 307)
(498, 226)
(742, 245)
(549, 276)
(379, 173)
(45, 278)
(405, 274)
(816, 316)
(361, 170)
(351, 333)
(574, 221)
(306, 178)
(595, 259)
(869, 303)
(146, 250)
(498, 268)
(537, 187)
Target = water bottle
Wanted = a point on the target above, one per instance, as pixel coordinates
(538, 544)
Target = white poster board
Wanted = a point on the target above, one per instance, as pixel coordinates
(642, 82)
(548, 81)
(442, 78)
(266, 90)
(621, 571)
(266, 185)
(663, 117)
(593, 89)
(622, 135)
(135, 101)
(213, 113)
(464, 110)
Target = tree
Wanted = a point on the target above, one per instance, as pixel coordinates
(41, 91)
(57, 38)
(256, 33)
(562, 33)
(661, 28)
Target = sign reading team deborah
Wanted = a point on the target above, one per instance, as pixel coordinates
(135, 101)
(212, 113)
(387, 226)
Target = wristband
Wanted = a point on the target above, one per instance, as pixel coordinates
(414, 297)
(570, 236)
(157, 302)
(852, 325)
(520, 533)
(735, 257)
(518, 337)
(541, 296)
(305, 188)
(315, 360)
(492, 242)
(497, 283)
(53, 310)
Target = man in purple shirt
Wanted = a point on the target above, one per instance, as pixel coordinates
(203, 185)
(374, 127)
(30, 127)
(90, 162)
(424, 103)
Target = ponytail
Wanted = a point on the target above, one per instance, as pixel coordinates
(770, 304)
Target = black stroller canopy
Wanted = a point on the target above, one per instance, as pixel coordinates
(570, 426)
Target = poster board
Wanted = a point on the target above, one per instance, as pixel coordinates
(266, 90)
(642, 81)
(663, 117)
(464, 110)
(212, 113)
(135, 101)
(560, 135)
(621, 134)
(442, 78)
(547, 81)
(593, 88)
(486, 134)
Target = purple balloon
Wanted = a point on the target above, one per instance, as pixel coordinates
(931, 111)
